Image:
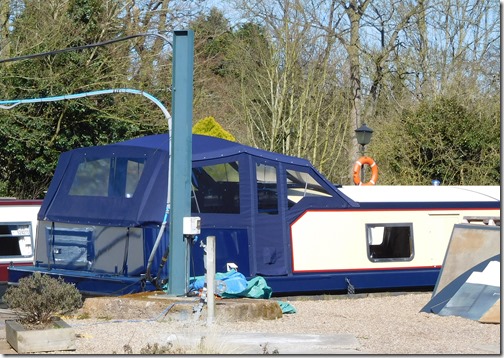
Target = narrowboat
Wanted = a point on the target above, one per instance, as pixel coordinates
(273, 216)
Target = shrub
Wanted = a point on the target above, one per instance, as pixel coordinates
(39, 297)
(209, 126)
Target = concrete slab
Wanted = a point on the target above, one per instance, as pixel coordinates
(144, 305)
(261, 343)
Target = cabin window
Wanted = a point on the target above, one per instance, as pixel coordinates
(134, 172)
(267, 189)
(302, 184)
(108, 177)
(16, 239)
(216, 189)
(390, 242)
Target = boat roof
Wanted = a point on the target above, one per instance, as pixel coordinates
(207, 147)
(421, 193)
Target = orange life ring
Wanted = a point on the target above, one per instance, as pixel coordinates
(357, 170)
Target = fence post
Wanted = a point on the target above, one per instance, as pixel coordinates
(210, 279)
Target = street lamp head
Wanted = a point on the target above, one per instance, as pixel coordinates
(363, 134)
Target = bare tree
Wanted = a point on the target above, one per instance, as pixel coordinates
(337, 28)
(289, 84)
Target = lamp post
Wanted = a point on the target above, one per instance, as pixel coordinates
(363, 134)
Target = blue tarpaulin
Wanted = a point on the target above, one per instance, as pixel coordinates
(233, 284)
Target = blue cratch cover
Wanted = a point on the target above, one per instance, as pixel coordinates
(125, 184)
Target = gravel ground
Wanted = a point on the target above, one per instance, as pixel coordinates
(385, 324)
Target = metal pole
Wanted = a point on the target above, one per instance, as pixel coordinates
(362, 166)
(210, 278)
(181, 153)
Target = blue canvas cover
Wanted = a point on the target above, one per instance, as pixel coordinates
(143, 159)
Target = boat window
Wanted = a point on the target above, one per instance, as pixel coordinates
(109, 177)
(16, 239)
(267, 189)
(390, 242)
(134, 172)
(216, 189)
(301, 184)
